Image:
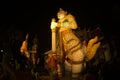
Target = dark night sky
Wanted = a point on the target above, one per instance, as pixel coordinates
(35, 17)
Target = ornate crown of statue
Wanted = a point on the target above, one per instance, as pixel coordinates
(61, 11)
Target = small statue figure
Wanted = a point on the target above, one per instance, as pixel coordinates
(24, 47)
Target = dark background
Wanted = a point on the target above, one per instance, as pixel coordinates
(35, 17)
(20, 17)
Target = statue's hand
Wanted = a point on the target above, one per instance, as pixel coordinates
(58, 24)
(53, 25)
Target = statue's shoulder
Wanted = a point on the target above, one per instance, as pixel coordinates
(70, 17)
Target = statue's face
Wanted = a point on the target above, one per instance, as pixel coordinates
(60, 15)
